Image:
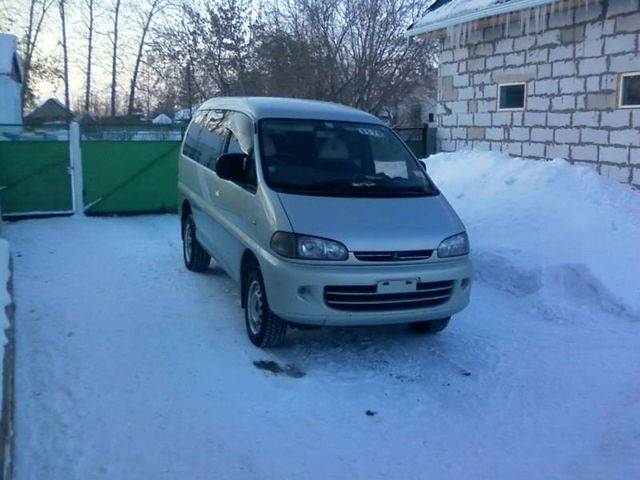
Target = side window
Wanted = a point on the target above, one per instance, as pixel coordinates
(240, 140)
(241, 127)
(234, 145)
(190, 147)
(211, 140)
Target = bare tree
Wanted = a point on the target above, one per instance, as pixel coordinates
(114, 57)
(357, 53)
(210, 49)
(65, 52)
(154, 8)
(37, 13)
(90, 4)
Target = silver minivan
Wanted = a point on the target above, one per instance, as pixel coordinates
(323, 216)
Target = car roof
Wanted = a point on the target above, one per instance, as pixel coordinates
(273, 107)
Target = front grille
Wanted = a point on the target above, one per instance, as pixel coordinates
(403, 256)
(363, 298)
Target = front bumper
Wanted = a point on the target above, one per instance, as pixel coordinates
(295, 290)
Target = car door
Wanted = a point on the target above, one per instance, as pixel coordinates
(210, 144)
(234, 198)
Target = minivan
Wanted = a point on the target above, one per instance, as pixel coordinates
(323, 216)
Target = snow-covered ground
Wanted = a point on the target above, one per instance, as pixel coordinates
(5, 299)
(130, 367)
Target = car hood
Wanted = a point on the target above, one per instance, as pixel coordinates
(374, 224)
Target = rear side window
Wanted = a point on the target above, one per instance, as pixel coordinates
(205, 137)
(190, 147)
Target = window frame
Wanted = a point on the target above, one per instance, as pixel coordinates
(524, 99)
(621, 77)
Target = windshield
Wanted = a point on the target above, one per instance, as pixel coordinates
(315, 157)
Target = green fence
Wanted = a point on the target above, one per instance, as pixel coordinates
(34, 175)
(130, 176)
(422, 140)
(126, 169)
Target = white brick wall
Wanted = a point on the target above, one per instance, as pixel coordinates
(594, 135)
(585, 152)
(629, 136)
(582, 119)
(541, 135)
(614, 154)
(622, 174)
(567, 135)
(571, 68)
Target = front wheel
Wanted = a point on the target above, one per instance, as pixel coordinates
(431, 326)
(195, 257)
(263, 327)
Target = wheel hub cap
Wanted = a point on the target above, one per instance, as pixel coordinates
(188, 238)
(254, 307)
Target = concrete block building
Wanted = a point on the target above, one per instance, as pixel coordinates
(10, 81)
(540, 79)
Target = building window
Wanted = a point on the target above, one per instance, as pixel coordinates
(511, 96)
(629, 90)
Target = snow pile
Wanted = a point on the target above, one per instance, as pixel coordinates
(548, 228)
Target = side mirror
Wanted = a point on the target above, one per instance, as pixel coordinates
(230, 166)
(423, 164)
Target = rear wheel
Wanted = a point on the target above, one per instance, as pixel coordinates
(263, 327)
(195, 257)
(431, 326)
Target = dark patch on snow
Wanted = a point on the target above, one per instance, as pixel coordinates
(275, 368)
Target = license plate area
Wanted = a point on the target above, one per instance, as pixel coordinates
(397, 286)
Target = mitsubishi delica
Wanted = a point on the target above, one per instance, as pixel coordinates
(322, 215)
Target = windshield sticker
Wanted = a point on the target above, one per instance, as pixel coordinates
(370, 132)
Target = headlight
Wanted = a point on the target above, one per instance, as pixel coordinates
(292, 245)
(454, 246)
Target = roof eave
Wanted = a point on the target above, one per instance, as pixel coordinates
(508, 7)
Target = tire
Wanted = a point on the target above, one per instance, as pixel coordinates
(431, 326)
(263, 327)
(195, 257)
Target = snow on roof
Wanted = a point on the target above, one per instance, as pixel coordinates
(162, 119)
(43, 103)
(8, 45)
(447, 13)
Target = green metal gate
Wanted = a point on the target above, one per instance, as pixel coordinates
(34, 171)
(130, 169)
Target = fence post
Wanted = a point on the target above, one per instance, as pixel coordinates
(75, 163)
(425, 139)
